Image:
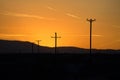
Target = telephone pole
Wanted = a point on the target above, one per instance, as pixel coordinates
(56, 37)
(32, 47)
(91, 21)
(38, 42)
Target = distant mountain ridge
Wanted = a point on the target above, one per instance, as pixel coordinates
(7, 46)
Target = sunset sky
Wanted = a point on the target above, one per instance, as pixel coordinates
(31, 20)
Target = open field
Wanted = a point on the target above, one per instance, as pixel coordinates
(60, 66)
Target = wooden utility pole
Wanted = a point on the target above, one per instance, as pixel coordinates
(56, 37)
(38, 41)
(32, 47)
(91, 21)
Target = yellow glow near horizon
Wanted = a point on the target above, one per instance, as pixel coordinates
(33, 20)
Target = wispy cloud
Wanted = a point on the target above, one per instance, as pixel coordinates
(67, 14)
(85, 35)
(25, 15)
(116, 26)
(51, 8)
(12, 35)
(72, 15)
(92, 35)
(110, 43)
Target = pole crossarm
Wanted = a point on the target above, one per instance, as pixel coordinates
(91, 20)
(55, 36)
(38, 41)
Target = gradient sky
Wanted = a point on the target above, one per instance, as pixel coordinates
(31, 20)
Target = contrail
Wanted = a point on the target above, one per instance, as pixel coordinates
(67, 14)
(26, 15)
(51, 8)
(72, 15)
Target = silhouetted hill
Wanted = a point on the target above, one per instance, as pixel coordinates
(7, 46)
(72, 50)
(56, 67)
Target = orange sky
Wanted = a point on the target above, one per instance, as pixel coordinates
(31, 20)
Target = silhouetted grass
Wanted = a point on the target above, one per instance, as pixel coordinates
(60, 66)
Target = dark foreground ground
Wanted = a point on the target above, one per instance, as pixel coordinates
(60, 67)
